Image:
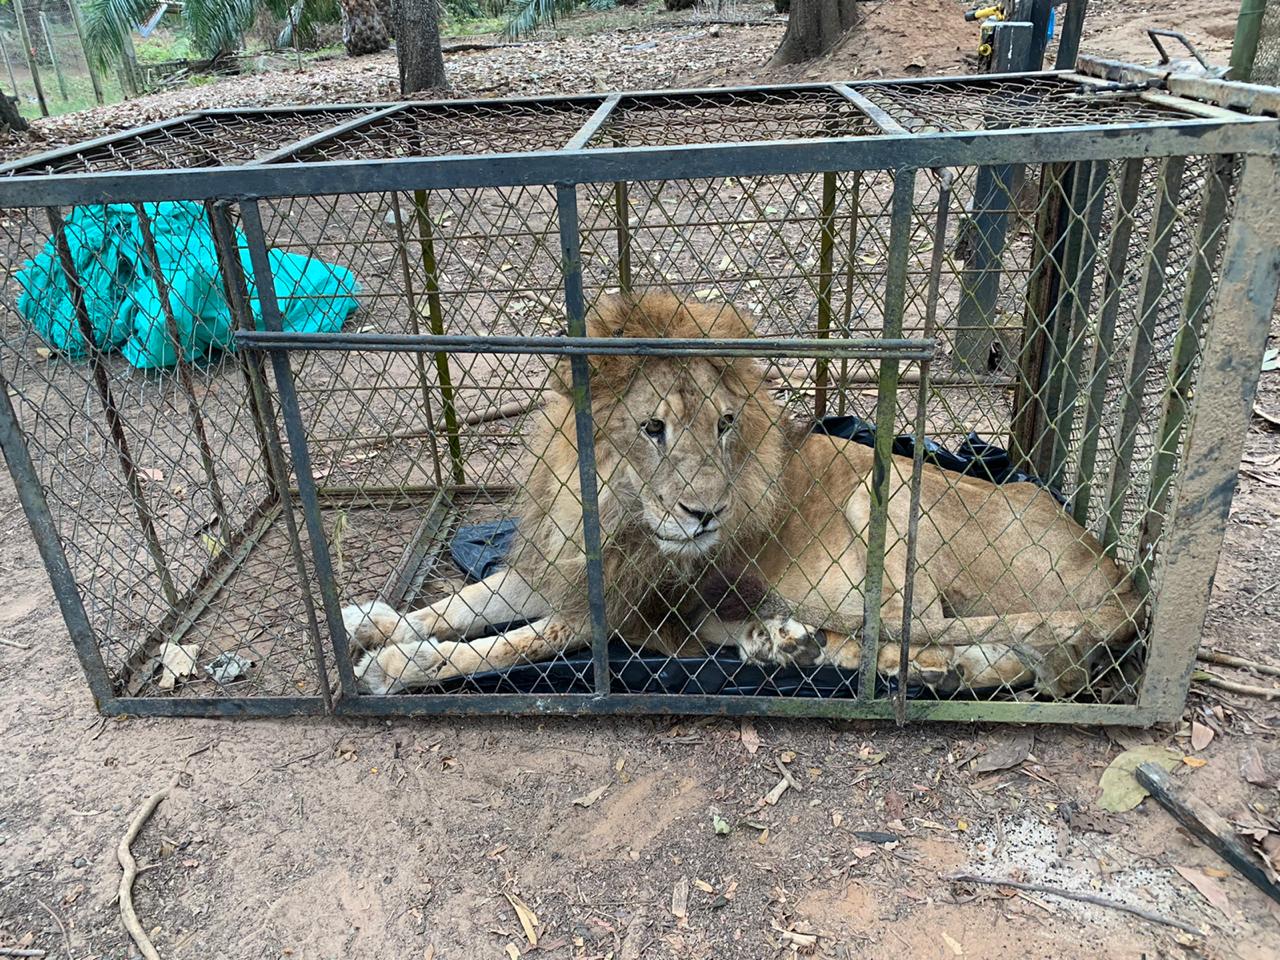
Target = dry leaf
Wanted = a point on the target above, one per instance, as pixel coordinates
(704, 886)
(588, 799)
(44, 353)
(431, 952)
(1209, 888)
(952, 944)
(837, 818)
(528, 919)
(750, 738)
(1194, 763)
(513, 951)
(1201, 735)
(764, 837)
(1008, 751)
(680, 899)
(177, 662)
(1120, 789)
(151, 473)
(1254, 769)
(212, 544)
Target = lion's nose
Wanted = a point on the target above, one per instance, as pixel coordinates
(705, 517)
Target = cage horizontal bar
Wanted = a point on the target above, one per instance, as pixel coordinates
(606, 165)
(860, 349)
(515, 704)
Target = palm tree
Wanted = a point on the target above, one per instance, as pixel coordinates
(527, 15)
(214, 26)
(363, 28)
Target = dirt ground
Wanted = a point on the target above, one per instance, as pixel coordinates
(323, 838)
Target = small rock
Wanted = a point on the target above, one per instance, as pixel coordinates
(79, 862)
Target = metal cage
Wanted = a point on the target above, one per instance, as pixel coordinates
(1063, 277)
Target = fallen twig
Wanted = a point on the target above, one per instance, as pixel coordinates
(786, 775)
(21, 952)
(1081, 897)
(1234, 686)
(66, 941)
(15, 644)
(1231, 660)
(470, 45)
(130, 867)
(1205, 823)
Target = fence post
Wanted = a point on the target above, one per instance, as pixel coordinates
(1245, 46)
(129, 66)
(53, 57)
(1069, 37)
(25, 33)
(8, 65)
(94, 79)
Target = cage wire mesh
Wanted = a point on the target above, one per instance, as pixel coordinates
(856, 434)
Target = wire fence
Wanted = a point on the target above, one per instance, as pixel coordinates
(44, 60)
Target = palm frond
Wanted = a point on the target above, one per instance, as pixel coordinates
(217, 26)
(463, 9)
(309, 15)
(528, 15)
(107, 23)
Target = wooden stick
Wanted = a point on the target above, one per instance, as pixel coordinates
(130, 867)
(1081, 897)
(15, 644)
(1247, 689)
(21, 952)
(1203, 821)
(1231, 660)
(66, 941)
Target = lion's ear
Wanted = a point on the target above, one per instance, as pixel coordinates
(720, 320)
(607, 317)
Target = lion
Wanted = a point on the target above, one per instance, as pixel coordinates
(726, 524)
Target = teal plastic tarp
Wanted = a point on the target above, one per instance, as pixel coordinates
(123, 301)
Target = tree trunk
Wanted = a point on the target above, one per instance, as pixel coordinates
(418, 46)
(814, 27)
(362, 28)
(10, 118)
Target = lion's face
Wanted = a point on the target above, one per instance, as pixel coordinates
(685, 454)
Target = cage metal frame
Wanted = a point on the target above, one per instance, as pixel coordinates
(1205, 119)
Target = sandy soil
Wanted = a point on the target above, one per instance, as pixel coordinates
(324, 838)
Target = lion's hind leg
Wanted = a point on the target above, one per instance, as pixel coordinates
(1052, 653)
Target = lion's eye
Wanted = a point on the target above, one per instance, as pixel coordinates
(655, 428)
(725, 423)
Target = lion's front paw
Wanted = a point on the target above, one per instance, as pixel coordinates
(370, 625)
(781, 640)
(399, 666)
